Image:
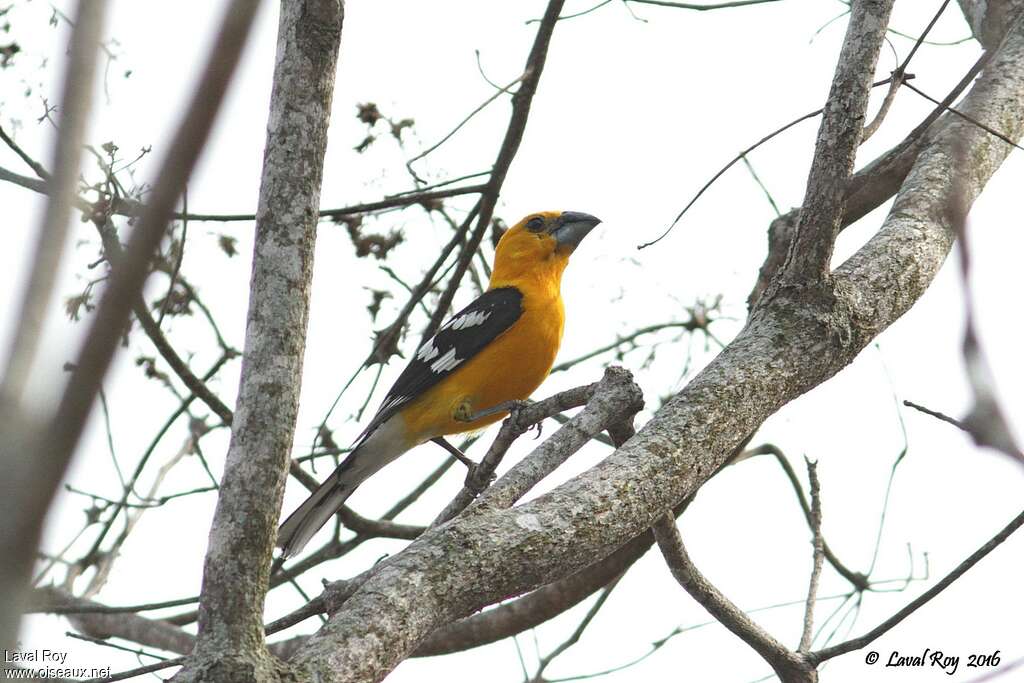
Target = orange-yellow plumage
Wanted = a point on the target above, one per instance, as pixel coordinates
(498, 349)
(518, 361)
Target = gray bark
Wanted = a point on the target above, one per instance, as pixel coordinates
(792, 342)
(839, 136)
(988, 18)
(230, 641)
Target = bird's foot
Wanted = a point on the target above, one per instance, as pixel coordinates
(464, 414)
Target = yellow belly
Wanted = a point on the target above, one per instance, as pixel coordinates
(509, 368)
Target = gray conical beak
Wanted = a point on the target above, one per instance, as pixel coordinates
(573, 226)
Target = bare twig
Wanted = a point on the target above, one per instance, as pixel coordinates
(937, 415)
(177, 261)
(789, 666)
(463, 122)
(812, 590)
(126, 281)
(151, 327)
(616, 398)
(512, 428)
(123, 206)
(521, 102)
(862, 641)
(703, 8)
(857, 579)
(576, 634)
(757, 179)
(965, 117)
(721, 172)
(140, 671)
(377, 527)
(36, 167)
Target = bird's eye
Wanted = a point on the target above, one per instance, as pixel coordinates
(535, 224)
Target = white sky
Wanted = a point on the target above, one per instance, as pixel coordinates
(631, 118)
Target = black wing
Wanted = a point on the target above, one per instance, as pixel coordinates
(458, 340)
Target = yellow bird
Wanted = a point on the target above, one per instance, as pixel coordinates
(496, 350)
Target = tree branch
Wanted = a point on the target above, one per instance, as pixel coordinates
(788, 346)
(789, 666)
(842, 127)
(864, 640)
(521, 102)
(230, 639)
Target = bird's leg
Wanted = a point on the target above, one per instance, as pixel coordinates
(473, 478)
(462, 457)
(463, 415)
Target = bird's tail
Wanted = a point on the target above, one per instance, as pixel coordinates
(307, 519)
(381, 447)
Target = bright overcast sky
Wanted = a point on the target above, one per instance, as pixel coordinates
(633, 115)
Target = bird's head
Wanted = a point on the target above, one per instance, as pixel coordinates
(539, 245)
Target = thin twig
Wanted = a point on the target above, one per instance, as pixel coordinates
(937, 415)
(578, 633)
(757, 179)
(858, 580)
(914, 605)
(812, 590)
(463, 122)
(126, 281)
(703, 8)
(924, 34)
(571, 16)
(36, 167)
(178, 261)
(133, 673)
(104, 643)
(700, 589)
(965, 117)
(521, 103)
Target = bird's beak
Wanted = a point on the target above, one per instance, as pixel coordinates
(572, 227)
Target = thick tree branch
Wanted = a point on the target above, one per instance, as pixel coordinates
(988, 19)
(237, 568)
(842, 127)
(99, 621)
(790, 667)
(868, 188)
(790, 345)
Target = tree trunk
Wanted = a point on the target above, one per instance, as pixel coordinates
(230, 643)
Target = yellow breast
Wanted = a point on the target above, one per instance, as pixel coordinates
(509, 368)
